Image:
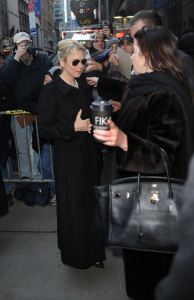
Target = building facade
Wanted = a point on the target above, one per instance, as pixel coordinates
(13, 19)
(59, 15)
(48, 25)
(4, 34)
(23, 16)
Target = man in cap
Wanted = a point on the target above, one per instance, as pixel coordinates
(25, 72)
(127, 43)
(21, 41)
(112, 44)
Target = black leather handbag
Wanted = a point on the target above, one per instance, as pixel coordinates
(140, 212)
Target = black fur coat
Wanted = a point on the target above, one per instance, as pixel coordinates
(158, 113)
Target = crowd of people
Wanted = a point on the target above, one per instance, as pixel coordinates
(152, 109)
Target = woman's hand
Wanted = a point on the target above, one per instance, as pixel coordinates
(93, 65)
(113, 137)
(93, 81)
(82, 125)
(116, 105)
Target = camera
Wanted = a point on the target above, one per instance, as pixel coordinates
(104, 23)
(30, 49)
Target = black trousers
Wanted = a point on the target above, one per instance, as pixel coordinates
(143, 270)
(3, 200)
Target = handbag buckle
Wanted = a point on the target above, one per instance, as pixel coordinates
(154, 197)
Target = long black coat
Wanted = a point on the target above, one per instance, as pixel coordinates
(158, 113)
(77, 167)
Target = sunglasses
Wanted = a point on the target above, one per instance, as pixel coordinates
(77, 61)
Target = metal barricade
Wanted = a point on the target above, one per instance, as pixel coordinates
(12, 176)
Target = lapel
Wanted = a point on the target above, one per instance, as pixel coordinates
(64, 87)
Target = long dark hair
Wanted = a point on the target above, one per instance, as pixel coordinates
(159, 47)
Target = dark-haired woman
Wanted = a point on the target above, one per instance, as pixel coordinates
(157, 113)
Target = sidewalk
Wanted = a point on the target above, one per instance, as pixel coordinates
(30, 265)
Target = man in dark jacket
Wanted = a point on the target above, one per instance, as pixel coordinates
(25, 71)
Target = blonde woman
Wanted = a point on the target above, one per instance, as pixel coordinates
(64, 116)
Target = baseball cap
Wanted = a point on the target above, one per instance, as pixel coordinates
(112, 41)
(21, 36)
(127, 37)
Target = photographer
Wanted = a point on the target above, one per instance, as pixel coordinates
(99, 42)
(25, 71)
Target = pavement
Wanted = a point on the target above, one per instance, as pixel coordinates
(31, 268)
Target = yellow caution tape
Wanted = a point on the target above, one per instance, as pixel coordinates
(14, 112)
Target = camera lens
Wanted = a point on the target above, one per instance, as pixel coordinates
(30, 49)
(104, 23)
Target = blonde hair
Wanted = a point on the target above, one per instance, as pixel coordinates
(68, 46)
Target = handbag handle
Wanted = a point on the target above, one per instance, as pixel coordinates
(170, 192)
(168, 173)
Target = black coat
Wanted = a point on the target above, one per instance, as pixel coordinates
(77, 167)
(179, 283)
(158, 113)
